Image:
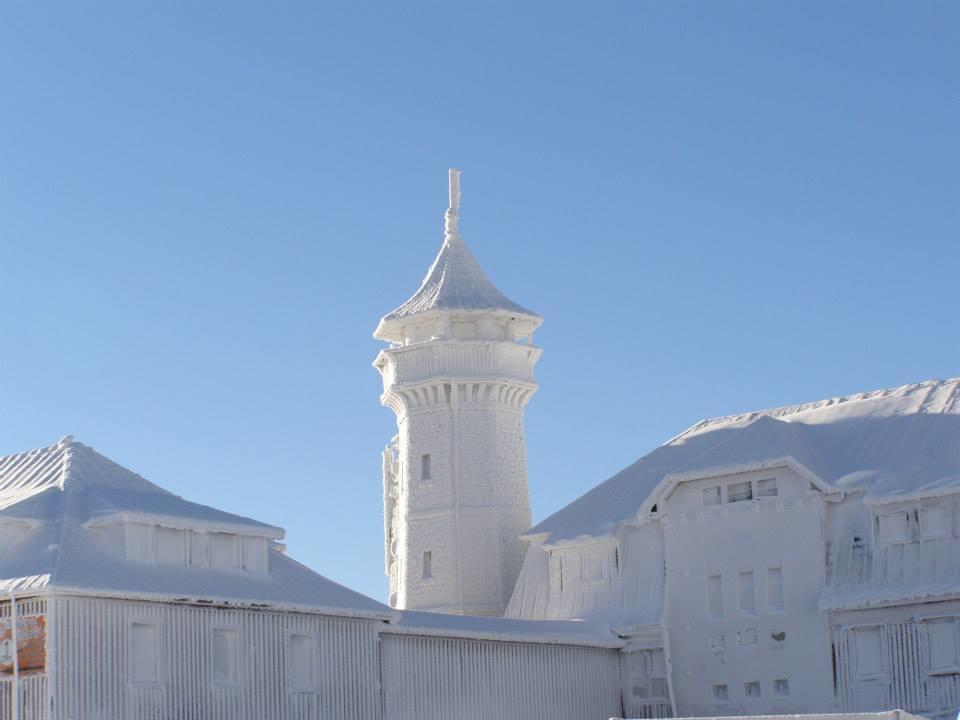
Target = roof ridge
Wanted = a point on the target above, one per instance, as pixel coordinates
(787, 410)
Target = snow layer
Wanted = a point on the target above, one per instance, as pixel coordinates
(892, 443)
(573, 632)
(61, 496)
(455, 281)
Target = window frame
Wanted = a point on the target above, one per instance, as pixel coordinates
(313, 684)
(234, 631)
(157, 654)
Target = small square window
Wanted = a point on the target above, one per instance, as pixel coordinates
(658, 687)
(427, 570)
(752, 689)
(720, 693)
(934, 522)
(711, 496)
(738, 492)
(781, 687)
(426, 472)
(893, 527)
(767, 487)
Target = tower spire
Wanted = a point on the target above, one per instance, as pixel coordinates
(452, 216)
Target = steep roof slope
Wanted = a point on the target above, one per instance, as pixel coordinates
(60, 495)
(892, 442)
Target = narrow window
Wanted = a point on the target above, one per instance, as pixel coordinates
(427, 564)
(143, 653)
(225, 658)
(198, 549)
(775, 589)
(720, 693)
(748, 601)
(767, 487)
(711, 495)
(781, 687)
(301, 663)
(715, 596)
(942, 641)
(752, 689)
(425, 470)
(738, 492)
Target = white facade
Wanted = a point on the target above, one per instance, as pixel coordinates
(458, 374)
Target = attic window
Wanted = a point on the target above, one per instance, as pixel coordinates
(711, 496)
(767, 487)
(653, 510)
(738, 492)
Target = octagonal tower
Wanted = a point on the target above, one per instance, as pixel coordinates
(458, 373)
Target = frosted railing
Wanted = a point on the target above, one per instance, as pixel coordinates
(481, 360)
(932, 558)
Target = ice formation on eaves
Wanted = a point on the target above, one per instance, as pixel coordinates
(59, 496)
(889, 443)
(455, 280)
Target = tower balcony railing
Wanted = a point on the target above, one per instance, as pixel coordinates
(417, 363)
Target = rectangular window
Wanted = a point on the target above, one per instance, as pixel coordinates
(224, 550)
(301, 664)
(225, 670)
(934, 522)
(715, 596)
(143, 653)
(893, 528)
(198, 549)
(427, 564)
(426, 473)
(720, 693)
(711, 496)
(942, 641)
(738, 492)
(592, 567)
(775, 589)
(869, 642)
(767, 487)
(139, 539)
(752, 689)
(254, 554)
(748, 600)
(781, 687)
(658, 688)
(171, 546)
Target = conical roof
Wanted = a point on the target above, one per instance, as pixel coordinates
(455, 280)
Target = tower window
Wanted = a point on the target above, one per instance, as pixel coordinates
(425, 470)
(715, 596)
(748, 603)
(427, 564)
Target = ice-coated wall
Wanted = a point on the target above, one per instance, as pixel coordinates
(456, 478)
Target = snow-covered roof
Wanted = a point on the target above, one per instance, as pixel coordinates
(547, 632)
(455, 281)
(894, 443)
(62, 495)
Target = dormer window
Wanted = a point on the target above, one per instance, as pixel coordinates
(171, 546)
(739, 492)
(224, 551)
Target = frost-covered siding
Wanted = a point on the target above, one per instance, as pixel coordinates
(434, 678)
(905, 657)
(94, 664)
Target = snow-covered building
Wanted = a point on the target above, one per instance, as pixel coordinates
(802, 559)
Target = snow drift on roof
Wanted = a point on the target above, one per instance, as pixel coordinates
(60, 495)
(890, 443)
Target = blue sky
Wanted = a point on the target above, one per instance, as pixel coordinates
(206, 207)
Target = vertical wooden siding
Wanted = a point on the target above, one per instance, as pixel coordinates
(430, 677)
(92, 656)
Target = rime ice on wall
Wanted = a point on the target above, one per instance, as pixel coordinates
(458, 373)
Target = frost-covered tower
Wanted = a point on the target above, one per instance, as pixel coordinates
(458, 374)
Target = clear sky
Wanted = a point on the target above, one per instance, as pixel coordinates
(205, 207)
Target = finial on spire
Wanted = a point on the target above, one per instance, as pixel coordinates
(453, 211)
